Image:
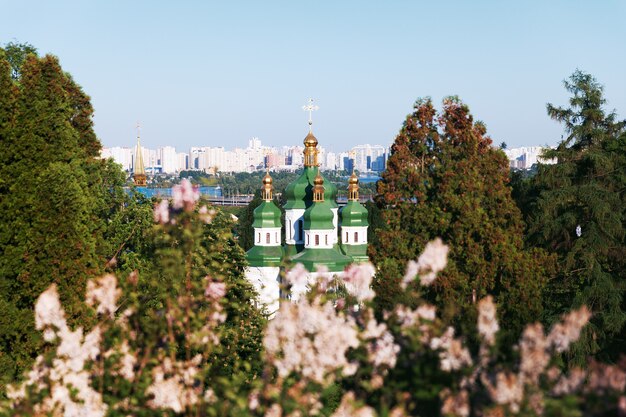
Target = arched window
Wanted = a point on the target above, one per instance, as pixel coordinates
(317, 240)
(267, 238)
(356, 237)
(258, 238)
(346, 237)
(276, 234)
(326, 239)
(307, 240)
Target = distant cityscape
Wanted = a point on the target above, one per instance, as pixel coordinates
(363, 158)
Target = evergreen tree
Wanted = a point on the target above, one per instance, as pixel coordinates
(63, 212)
(576, 209)
(445, 179)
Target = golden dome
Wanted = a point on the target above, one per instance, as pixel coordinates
(267, 179)
(318, 180)
(310, 140)
(353, 179)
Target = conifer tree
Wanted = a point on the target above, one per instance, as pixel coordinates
(576, 209)
(445, 179)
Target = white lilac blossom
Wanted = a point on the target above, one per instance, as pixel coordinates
(185, 196)
(508, 390)
(175, 384)
(358, 279)
(534, 353)
(487, 322)
(48, 311)
(563, 334)
(103, 293)
(452, 355)
(65, 379)
(381, 347)
(297, 278)
(311, 339)
(432, 261)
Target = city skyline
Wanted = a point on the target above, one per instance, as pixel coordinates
(220, 73)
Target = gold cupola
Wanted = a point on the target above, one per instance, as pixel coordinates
(318, 189)
(267, 191)
(353, 187)
(310, 150)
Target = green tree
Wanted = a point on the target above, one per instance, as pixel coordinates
(16, 54)
(445, 179)
(63, 210)
(576, 210)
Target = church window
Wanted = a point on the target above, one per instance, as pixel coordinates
(258, 238)
(307, 240)
(326, 239)
(317, 240)
(290, 230)
(300, 230)
(356, 237)
(267, 238)
(346, 237)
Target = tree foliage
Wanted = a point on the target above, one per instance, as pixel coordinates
(58, 199)
(444, 179)
(576, 210)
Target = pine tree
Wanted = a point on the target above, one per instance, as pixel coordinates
(445, 179)
(576, 210)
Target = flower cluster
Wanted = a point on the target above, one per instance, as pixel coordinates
(184, 197)
(432, 261)
(64, 382)
(312, 339)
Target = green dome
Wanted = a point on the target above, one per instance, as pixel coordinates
(267, 215)
(318, 216)
(353, 214)
(299, 194)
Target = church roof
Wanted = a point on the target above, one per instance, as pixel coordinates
(319, 216)
(353, 214)
(299, 194)
(267, 215)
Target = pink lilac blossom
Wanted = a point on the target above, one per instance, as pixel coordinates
(215, 290)
(432, 261)
(563, 334)
(185, 196)
(162, 212)
(310, 339)
(456, 404)
(349, 408)
(569, 384)
(104, 293)
(487, 322)
(207, 215)
(358, 279)
(603, 378)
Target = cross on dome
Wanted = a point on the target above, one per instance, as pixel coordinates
(310, 108)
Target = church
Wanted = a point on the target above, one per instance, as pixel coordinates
(317, 232)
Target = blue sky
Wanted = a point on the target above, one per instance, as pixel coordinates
(199, 73)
